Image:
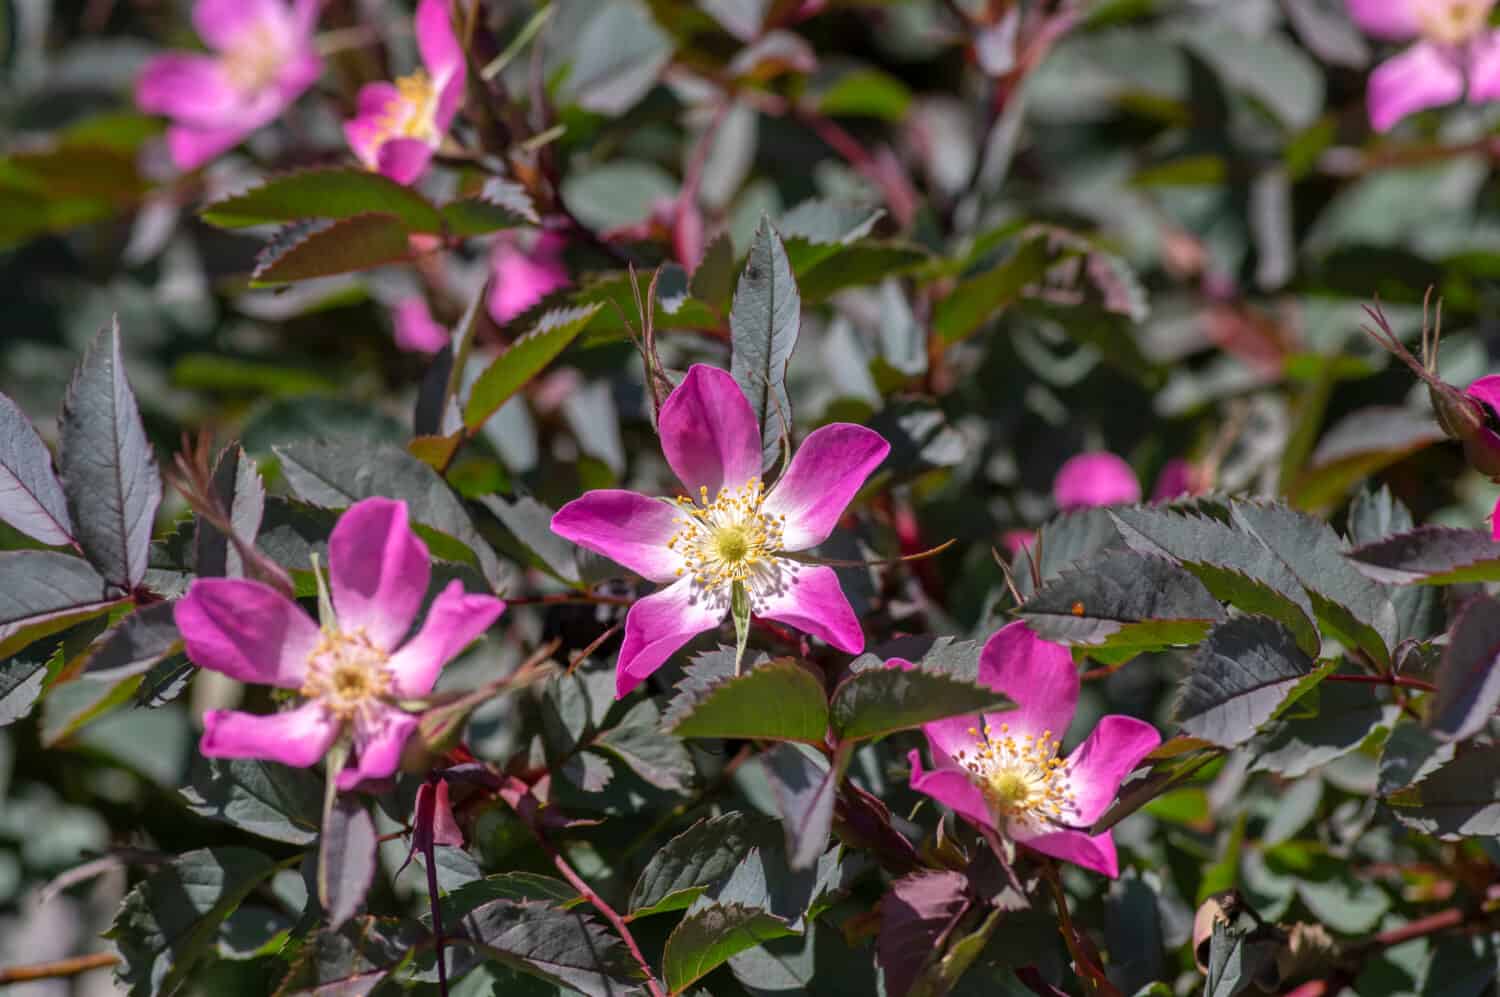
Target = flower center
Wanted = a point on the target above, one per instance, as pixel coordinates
(1452, 22)
(411, 114)
(726, 540)
(346, 672)
(1021, 777)
(254, 61)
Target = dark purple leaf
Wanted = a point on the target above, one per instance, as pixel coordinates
(31, 497)
(346, 858)
(916, 917)
(1469, 681)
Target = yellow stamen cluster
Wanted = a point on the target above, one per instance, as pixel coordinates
(255, 60)
(1452, 22)
(410, 115)
(1021, 777)
(726, 540)
(346, 672)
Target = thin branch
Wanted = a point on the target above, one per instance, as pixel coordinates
(59, 969)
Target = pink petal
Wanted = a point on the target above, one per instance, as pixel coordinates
(297, 737)
(189, 88)
(1112, 751)
(450, 99)
(404, 160)
(658, 625)
(1096, 853)
(810, 598)
(1484, 67)
(223, 23)
(1486, 390)
(628, 528)
(953, 789)
(363, 131)
(1016, 541)
(299, 73)
(455, 619)
(521, 279)
(434, 819)
(416, 330)
(1095, 479)
(379, 737)
(1038, 674)
(246, 630)
(378, 569)
(708, 433)
(830, 466)
(1495, 522)
(440, 50)
(191, 147)
(1394, 20)
(1421, 77)
(947, 737)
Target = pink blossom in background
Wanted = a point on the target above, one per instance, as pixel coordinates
(400, 125)
(1095, 479)
(1180, 478)
(261, 59)
(416, 330)
(1015, 541)
(353, 669)
(1455, 48)
(1004, 772)
(730, 530)
(519, 279)
(1486, 391)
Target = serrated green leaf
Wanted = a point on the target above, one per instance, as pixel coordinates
(778, 701)
(1247, 671)
(881, 701)
(41, 585)
(266, 798)
(524, 360)
(709, 935)
(980, 298)
(702, 856)
(327, 248)
(563, 947)
(324, 192)
(1431, 555)
(1123, 599)
(859, 264)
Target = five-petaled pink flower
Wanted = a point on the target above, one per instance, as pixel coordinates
(352, 670)
(1003, 771)
(731, 530)
(400, 125)
(263, 59)
(1095, 479)
(520, 279)
(1455, 44)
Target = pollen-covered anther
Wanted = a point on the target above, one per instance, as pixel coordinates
(411, 114)
(1453, 22)
(727, 539)
(346, 672)
(1022, 778)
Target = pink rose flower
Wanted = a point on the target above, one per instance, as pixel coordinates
(731, 530)
(262, 59)
(352, 670)
(1095, 479)
(521, 279)
(1179, 477)
(416, 330)
(1455, 45)
(400, 125)
(1003, 772)
(1486, 391)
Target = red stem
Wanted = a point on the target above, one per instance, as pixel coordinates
(1393, 680)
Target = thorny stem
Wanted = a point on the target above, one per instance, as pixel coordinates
(437, 912)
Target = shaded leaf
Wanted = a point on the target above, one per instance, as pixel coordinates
(500, 204)
(916, 918)
(1246, 672)
(1458, 799)
(328, 248)
(108, 468)
(703, 855)
(764, 321)
(649, 752)
(881, 701)
(346, 858)
(37, 585)
(1348, 713)
(1361, 444)
(980, 298)
(1469, 680)
(1431, 555)
(238, 485)
(266, 798)
(136, 643)
(563, 947)
(805, 787)
(169, 921)
(31, 497)
(1122, 598)
(779, 700)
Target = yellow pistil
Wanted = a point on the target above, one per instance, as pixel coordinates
(1452, 22)
(1021, 777)
(346, 672)
(255, 60)
(411, 114)
(726, 540)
